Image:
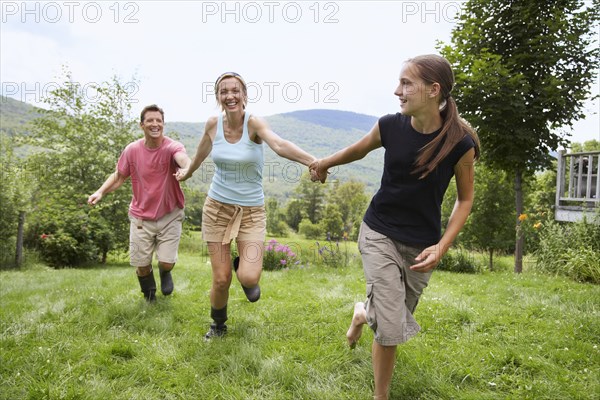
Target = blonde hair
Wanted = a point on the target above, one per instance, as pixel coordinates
(237, 76)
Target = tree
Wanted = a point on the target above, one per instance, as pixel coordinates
(311, 196)
(351, 200)
(332, 224)
(490, 225)
(293, 213)
(80, 138)
(194, 202)
(590, 145)
(14, 197)
(275, 219)
(523, 72)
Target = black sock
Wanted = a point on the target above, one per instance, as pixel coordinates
(219, 316)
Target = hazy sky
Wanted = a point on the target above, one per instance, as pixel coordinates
(342, 55)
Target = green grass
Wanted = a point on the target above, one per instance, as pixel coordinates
(88, 334)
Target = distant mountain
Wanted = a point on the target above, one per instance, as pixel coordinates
(319, 132)
(335, 119)
(14, 115)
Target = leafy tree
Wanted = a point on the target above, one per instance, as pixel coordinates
(14, 195)
(194, 202)
(332, 223)
(590, 145)
(490, 226)
(312, 198)
(275, 218)
(523, 71)
(80, 138)
(351, 201)
(542, 195)
(293, 213)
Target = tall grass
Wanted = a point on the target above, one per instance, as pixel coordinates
(571, 249)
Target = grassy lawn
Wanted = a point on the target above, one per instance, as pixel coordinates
(88, 334)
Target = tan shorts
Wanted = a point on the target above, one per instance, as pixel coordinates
(223, 222)
(161, 235)
(393, 289)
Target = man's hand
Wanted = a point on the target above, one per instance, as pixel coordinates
(94, 198)
(182, 174)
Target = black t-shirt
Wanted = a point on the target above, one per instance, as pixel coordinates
(406, 208)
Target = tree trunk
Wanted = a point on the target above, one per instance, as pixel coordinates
(491, 259)
(519, 236)
(19, 250)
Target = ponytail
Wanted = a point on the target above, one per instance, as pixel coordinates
(454, 129)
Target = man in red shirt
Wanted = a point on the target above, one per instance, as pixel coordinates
(156, 209)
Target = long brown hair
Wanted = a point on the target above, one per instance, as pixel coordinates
(433, 68)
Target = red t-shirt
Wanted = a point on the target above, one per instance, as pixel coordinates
(156, 192)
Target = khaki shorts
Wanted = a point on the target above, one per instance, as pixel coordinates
(393, 289)
(223, 222)
(161, 235)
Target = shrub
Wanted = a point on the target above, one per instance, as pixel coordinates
(61, 249)
(570, 249)
(67, 236)
(310, 230)
(583, 265)
(278, 256)
(458, 260)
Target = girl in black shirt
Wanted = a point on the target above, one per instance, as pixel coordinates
(400, 239)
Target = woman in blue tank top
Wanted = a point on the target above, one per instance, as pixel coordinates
(234, 206)
(400, 238)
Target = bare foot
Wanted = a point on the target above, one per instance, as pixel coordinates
(358, 320)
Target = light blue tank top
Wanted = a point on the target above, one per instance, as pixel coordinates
(239, 166)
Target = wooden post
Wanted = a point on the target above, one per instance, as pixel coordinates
(560, 178)
(19, 251)
(590, 171)
(598, 181)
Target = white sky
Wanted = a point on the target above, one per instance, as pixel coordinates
(343, 55)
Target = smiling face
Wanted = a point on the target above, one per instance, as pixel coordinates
(413, 92)
(152, 125)
(231, 94)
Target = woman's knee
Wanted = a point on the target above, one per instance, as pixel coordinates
(221, 281)
(249, 279)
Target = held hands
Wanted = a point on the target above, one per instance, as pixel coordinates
(317, 172)
(182, 174)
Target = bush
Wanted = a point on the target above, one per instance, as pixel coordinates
(310, 230)
(70, 235)
(61, 249)
(279, 229)
(583, 265)
(570, 249)
(458, 260)
(278, 256)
